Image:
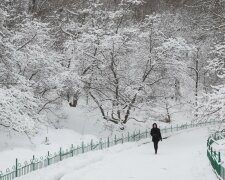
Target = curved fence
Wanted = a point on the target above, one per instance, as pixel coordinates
(37, 163)
(214, 156)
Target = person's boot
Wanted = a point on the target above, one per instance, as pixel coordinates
(155, 152)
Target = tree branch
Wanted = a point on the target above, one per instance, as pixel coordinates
(27, 42)
(51, 101)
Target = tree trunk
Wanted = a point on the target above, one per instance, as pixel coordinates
(196, 83)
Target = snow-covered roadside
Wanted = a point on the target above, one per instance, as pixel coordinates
(182, 156)
(58, 170)
(15, 145)
(219, 146)
(58, 138)
(18, 146)
(80, 124)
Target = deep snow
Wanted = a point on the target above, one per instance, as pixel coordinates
(182, 156)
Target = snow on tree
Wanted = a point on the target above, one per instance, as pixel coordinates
(212, 102)
(19, 111)
(112, 53)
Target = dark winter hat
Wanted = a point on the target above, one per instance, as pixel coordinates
(154, 124)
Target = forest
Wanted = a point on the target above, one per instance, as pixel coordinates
(118, 56)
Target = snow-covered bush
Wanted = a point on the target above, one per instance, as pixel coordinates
(18, 110)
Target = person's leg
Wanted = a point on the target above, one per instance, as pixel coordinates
(155, 146)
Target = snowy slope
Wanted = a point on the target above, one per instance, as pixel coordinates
(182, 156)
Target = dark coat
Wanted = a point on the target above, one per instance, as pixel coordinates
(156, 134)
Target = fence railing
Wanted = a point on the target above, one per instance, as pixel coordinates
(37, 163)
(214, 156)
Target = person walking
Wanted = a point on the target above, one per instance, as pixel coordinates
(156, 136)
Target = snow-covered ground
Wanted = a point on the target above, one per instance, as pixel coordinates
(14, 145)
(80, 124)
(181, 156)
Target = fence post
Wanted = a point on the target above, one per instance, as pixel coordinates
(33, 163)
(82, 146)
(219, 157)
(128, 136)
(16, 167)
(139, 135)
(219, 160)
(72, 149)
(91, 144)
(60, 154)
(134, 136)
(115, 140)
(48, 158)
(108, 143)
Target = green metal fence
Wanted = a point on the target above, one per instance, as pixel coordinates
(215, 156)
(37, 163)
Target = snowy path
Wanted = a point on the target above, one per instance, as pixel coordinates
(180, 157)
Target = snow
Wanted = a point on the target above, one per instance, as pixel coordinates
(14, 145)
(81, 124)
(86, 120)
(219, 146)
(182, 156)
